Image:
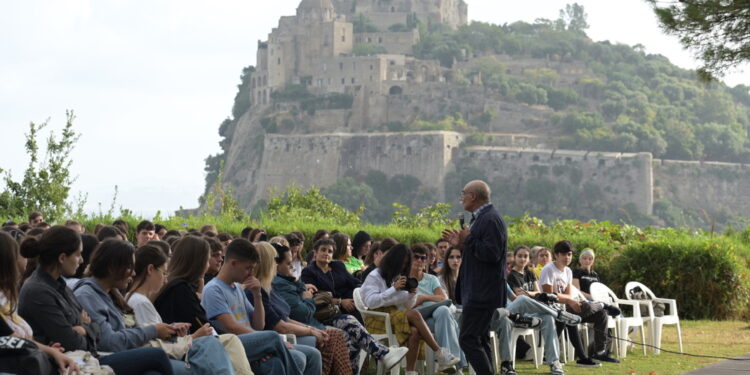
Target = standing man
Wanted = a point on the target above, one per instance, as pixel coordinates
(481, 279)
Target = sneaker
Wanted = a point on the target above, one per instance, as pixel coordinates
(394, 357)
(524, 321)
(587, 362)
(612, 310)
(506, 368)
(556, 368)
(568, 318)
(604, 357)
(445, 359)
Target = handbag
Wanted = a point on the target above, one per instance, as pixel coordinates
(325, 310)
(20, 356)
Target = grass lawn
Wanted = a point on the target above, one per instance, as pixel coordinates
(726, 339)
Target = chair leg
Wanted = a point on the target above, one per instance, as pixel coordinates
(533, 347)
(643, 340)
(657, 336)
(679, 335)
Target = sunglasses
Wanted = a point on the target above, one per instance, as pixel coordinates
(420, 257)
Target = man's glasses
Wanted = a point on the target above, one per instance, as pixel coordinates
(420, 257)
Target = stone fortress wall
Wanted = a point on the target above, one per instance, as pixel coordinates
(623, 178)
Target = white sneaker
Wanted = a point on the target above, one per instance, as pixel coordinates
(394, 357)
(556, 368)
(446, 360)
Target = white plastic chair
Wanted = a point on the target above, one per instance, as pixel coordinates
(602, 293)
(388, 336)
(514, 335)
(657, 322)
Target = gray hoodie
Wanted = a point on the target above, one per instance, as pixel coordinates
(115, 337)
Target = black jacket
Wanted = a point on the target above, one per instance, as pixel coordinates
(481, 279)
(338, 280)
(178, 303)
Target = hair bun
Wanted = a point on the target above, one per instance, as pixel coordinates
(31, 247)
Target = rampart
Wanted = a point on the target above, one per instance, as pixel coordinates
(710, 186)
(619, 178)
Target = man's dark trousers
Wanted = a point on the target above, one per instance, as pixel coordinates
(475, 340)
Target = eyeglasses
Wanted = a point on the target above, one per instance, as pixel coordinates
(420, 257)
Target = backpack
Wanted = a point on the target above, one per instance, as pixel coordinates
(639, 294)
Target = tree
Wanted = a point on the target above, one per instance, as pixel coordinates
(574, 17)
(718, 30)
(46, 183)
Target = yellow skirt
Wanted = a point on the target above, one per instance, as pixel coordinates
(399, 325)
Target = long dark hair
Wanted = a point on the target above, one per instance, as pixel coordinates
(446, 274)
(396, 262)
(342, 242)
(189, 259)
(145, 255)
(112, 258)
(10, 275)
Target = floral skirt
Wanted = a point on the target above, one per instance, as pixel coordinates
(399, 325)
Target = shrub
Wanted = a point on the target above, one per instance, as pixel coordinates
(707, 278)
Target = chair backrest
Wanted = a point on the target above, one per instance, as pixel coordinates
(602, 293)
(358, 303)
(634, 284)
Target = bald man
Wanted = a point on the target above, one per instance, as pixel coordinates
(481, 279)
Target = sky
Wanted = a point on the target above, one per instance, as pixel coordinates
(150, 81)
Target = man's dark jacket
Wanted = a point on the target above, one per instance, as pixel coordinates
(481, 280)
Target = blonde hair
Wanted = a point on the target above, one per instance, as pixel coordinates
(267, 265)
(281, 240)
(585, 252)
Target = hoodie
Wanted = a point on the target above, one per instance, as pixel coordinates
(115, 337)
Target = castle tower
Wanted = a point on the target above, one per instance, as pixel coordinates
(315, 11)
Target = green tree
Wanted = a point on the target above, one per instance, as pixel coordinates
(46, 182)
(718, 30)
(574, 17)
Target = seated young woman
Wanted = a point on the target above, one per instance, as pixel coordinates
(178, 302)
(385, 290)
(330, 343)
(441, 321)
(58, 251)
(302, 309)
(327, 274)
(150, 277)
(449, 273)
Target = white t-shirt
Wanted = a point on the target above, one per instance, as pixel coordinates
(145, 312)
(559, 280)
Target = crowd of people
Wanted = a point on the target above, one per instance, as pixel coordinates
(200, 301)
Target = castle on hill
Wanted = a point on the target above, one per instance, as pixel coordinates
(316, 47)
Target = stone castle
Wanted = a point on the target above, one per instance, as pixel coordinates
(315, 48)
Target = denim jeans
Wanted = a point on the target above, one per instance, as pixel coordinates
(206, 357)
(259, 344)
(445, 327)
(527, 306)
(141, 361)
(308, 358)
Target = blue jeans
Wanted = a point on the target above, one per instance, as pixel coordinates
(141, 361)
(445, 327)
(308, 358)
(259, 344)
(206, 357)
(526, 306)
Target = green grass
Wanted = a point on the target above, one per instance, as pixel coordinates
(715, 338)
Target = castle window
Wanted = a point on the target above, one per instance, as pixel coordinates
(278, 61)
(341, 66)
(393, 9)
(602, 163)
(352, 80)
(343, 81)
(369, 40)
(535, 158)
(393, 62)
(380, 39)
(408, 151)
(343, 38)
(568, 160)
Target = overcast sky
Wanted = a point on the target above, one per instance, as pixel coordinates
(150, 81)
